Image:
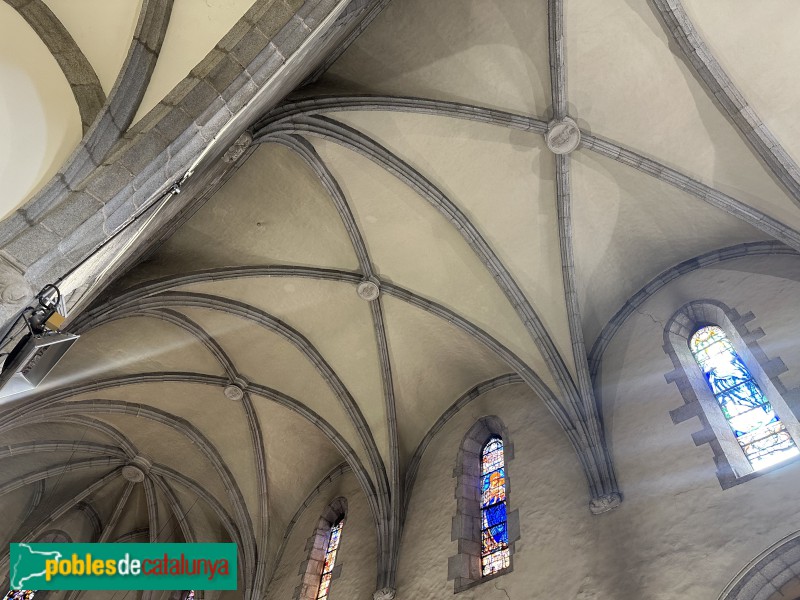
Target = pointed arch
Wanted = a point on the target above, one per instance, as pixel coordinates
(320, 568)
(483, 556)
(732, 461)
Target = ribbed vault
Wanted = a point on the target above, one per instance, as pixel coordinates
(403, 236)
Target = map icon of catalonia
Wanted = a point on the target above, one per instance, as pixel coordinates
(28, 564)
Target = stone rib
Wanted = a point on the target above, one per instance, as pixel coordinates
(558, 76)
(591, 410)
(760, 138)
(653, 286)
(748, 214)
(77, 69)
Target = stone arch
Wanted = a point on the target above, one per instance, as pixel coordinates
(772, 575)
(316, 545)
(732, 465)
(464, 568)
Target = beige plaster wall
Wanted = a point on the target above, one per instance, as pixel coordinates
(103, 30)
(547, 486)
(677, 533)
(39, 120)
(357, 548)
(194, 29)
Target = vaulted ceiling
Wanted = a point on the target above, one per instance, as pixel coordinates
(242, 360)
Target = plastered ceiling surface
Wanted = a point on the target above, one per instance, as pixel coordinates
(38, 116)
(101, 29)
(454, 217)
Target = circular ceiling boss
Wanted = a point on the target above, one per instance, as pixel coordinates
(563, 135)
(368, 290)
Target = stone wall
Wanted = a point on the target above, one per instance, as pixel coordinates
(357, 548)
(678, 534)
(547, 486)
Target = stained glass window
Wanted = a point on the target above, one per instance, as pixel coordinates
(330, 560)
(190, 595)
(495, 555)
(759, 431)
(20, 595)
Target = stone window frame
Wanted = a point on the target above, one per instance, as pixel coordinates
(316, 545)
(464, 568)
(732, 465)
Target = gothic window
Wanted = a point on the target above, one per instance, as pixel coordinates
(747, 415)
(321, 568)
(20, 595)
(758, 429)
(483, 525)
(494, 529)
(330, 560)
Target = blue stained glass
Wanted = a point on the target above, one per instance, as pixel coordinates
(725, 372)
(495, 554)
(758, 429)
(499, 534)
(20, 595)
(330, 560)
(494, 515)
(752, 419)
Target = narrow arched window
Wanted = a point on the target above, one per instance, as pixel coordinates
(494, 520)
(330, 559)
(20, 595)
(758, 429)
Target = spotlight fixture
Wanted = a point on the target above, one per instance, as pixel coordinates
(38, 351)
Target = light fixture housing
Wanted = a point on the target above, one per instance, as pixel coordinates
(34, 361)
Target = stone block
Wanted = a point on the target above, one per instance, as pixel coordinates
(68, 215)
(313, 15)
(223, 74)
(235, 35)
(266, 64)
(174, 122)
(142, 151)
(249, 46)
(457, 566)
(291, 36)
(703, 436)
(130, 93)
(240, 92)
(84, 240)
(32, 244)
(198, 99)
(214, 118)
(108, 182)
(513, 526)
(471, 547)
(685, 412)
(121, 216)
(754, 585)
(274, 19)
(12, 226)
